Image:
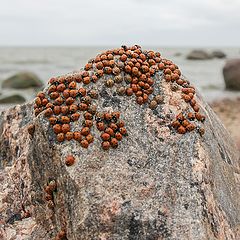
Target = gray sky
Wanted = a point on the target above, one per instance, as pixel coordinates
(114, 22)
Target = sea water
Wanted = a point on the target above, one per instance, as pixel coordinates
(46, 62)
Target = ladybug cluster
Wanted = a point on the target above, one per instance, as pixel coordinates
(183, 122)
(64, 106)
(112, 129)
(50, 188)
(131, 72)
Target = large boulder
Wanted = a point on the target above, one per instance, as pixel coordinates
(199, 55)
(12, 99)
(165, 179)
(231, 73)
(22, 80)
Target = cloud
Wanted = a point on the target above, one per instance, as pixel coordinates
(112, 22)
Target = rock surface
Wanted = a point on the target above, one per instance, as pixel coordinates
(14, 98)
(231, 73)
(199, 55)
(22, 80)
(157, 184)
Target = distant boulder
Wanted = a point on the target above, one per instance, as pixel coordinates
(231, 73)
(22, 80)
(178, 54)
(218, 54)
(199, 55)
(14, 98)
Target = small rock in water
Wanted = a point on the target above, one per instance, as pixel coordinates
(199, 55)
(14, 98)
(218, 54)
(23, 80)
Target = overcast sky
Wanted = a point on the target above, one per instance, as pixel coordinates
(114, 22)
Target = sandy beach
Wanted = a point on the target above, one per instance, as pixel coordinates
(228, 110)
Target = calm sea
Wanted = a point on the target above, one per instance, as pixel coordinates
(52, 61)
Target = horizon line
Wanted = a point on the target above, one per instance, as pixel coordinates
(112, 46)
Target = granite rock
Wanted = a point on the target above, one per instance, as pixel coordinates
(157, 184)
